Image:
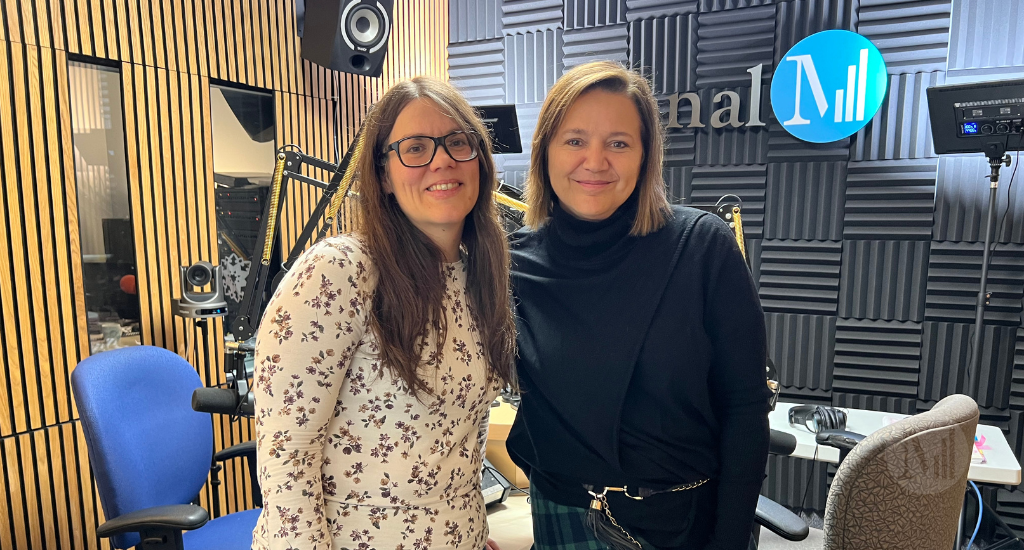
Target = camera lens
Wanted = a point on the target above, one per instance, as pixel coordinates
(199, 274)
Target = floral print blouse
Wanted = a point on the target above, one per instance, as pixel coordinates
(347, 457)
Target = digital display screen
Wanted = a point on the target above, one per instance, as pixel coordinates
(970, 127)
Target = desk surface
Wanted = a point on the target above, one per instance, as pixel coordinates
(1001, 465)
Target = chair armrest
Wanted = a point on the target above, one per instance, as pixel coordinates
(180, 517)
(248, 450)
(840, 439)
(781, 443)
(779, 520)
(235, 451)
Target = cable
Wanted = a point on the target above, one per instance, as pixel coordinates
(337, 119)
(1009, 186)
(189, 339)
(981, 510)
(807, 486)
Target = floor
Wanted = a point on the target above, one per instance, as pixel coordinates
(510, 523)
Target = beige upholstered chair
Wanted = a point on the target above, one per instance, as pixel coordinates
(902, 486)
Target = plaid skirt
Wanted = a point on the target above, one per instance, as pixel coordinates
(559, 527)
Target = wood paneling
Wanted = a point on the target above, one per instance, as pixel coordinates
(167, 52)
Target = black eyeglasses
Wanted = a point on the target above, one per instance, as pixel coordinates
(416, 151)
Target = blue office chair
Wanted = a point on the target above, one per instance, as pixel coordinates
(151, 452)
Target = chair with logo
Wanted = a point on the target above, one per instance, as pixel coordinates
(901, 487)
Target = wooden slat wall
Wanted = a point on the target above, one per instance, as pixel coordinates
(168, 51)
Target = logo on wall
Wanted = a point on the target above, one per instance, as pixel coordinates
(835, 97)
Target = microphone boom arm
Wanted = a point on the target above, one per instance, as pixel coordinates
(289, 162)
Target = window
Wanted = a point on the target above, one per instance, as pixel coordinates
(243, 165)
(104, 215)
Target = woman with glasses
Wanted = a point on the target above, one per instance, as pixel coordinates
(644, 414)
(380, 353)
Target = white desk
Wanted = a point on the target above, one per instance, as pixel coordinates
(1001, 466)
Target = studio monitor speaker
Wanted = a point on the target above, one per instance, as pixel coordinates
(347, 35)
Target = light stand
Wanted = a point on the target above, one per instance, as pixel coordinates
(980, 117)
(997, 158)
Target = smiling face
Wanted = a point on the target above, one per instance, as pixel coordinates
(437, 197)
(595, 155)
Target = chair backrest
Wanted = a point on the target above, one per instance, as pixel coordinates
(902, 486)
(147, 447)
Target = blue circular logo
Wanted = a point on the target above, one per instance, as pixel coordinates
(829, 86)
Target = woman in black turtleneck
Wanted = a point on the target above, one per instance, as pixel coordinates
(641, 338)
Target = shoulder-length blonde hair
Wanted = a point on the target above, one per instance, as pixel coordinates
(408, 301)
(653, 205)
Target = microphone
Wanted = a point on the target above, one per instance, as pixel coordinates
(781, 443)
(221, 401)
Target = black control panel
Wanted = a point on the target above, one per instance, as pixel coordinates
(985, 117)
(998, 116)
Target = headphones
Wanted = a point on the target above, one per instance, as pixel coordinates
(817, 418)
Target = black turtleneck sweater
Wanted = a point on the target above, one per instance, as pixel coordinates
(642, 363)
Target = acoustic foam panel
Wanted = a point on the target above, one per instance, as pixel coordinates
(754, 259)
(802, 347)
(947, 357)
(783, 147)
(1015, 433)
(901, 129)
(889, 199)
(730, 42)
(954, 278)
(986, 34)
(913, 35)
(680, 147)
(640, 9)
(800, 276)
(607, 43)
(787, 482)
(723, 5)
(884, 280)
(880, 358)
(665, 50)
(1017, 378)
(881, 403)
(725, 146)
(805, 395)
(586, 14)
(798, 19)
(477, 70)
(522, 16)
(961, 201)
(710, 183)
(677, 182)
(805, 201)
(533, 62)
(473, 20)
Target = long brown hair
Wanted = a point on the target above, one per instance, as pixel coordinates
(653, 206)
(410, 289)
